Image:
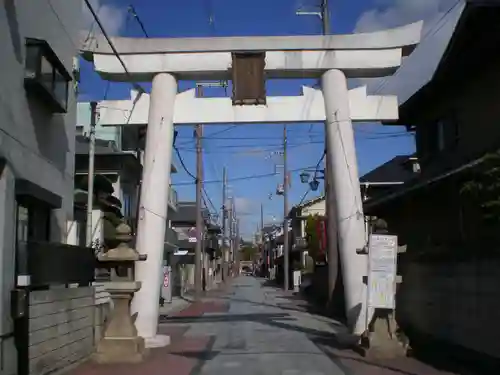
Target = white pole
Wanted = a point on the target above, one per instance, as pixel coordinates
(344, 187)
(90, 175)
(154, 207)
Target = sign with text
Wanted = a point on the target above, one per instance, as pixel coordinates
(382, 271)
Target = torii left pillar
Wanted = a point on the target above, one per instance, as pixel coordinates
(154, 207)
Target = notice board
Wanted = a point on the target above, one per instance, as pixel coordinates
(382, 271)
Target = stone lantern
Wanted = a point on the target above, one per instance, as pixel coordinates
(120, 342)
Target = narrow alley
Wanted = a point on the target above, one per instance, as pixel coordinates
(255, 329)
(259, 335)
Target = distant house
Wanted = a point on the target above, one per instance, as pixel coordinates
(389, 176)
(122, 169)
(119, 153)
(298, 216)
(183, 223)
(299, 213)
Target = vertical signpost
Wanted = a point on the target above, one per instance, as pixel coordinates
(167, 284)
(381, 296)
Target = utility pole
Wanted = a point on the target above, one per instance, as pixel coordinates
(199, 217)
(237, 255)
(325, 17)
(230, 241)
(225, 254)
(261, 223)
(331, 232)
(90, 176)
(286, 266)
(233, 221)
(263, 249)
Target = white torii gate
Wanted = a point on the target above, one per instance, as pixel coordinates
(332, 58)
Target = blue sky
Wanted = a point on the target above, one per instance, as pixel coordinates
(245, 150)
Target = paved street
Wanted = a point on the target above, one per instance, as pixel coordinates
(254, 329)
(256, 336)
(248, 328)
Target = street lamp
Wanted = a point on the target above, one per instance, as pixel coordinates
(304, 177)
(314, 184)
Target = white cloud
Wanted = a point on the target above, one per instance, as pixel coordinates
(393, 13)
(243, 205)
(111, 16)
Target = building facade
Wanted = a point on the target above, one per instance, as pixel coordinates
(37, 135)
(452, 257)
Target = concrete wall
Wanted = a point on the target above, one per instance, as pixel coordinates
(61, 328)
(450, 289)
(456, 302)
(38, 146)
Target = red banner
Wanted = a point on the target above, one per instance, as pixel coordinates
(321, 232)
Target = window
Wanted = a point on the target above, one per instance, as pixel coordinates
(127, 206)
(79, 130)
(440, 135)
(46, 76)
(447, 133)
(33, 222)
(436, 137)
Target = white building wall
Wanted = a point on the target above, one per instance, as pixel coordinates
(108, 133)
(37, 145)
(317, 208)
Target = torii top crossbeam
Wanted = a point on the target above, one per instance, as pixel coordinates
(357, 55)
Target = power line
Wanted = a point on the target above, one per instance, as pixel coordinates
(259, 145)
(136, 16)
(251, 138)
(243, 178)
(431, 32)
(184, 165)
(209, 200)
(113, 48)
(132, 11)
(274, 146)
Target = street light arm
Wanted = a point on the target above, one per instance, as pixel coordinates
(307, 13)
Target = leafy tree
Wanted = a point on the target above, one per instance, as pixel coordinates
(312, 238)
(483, 188)
(249, 252)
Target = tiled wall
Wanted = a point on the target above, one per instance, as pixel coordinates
(61, 328)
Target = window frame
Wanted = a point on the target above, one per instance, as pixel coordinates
(37, 52)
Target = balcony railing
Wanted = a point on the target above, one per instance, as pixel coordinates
(301, 242)
(172, 198)
(171, 237)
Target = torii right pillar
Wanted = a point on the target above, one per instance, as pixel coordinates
(343, 186)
